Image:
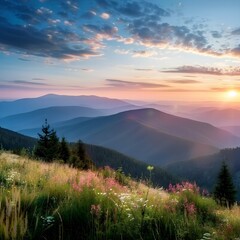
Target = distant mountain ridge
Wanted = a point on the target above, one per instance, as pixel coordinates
(219, 117)
(50, 100)
(36, 118)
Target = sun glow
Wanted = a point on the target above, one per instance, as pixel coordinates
(232, 93)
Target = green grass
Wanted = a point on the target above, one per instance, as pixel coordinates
(53, 201)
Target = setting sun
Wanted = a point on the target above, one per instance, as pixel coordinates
(232, 93)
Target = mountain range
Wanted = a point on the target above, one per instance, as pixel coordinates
(51, 100)
(146, 134)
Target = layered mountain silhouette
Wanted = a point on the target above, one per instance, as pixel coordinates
(35, 119)
(219, 117)
(150, 135)
(51, 100)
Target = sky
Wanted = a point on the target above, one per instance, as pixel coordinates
(148, 50)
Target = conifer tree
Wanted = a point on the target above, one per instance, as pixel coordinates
(224, 192)
(64, 152)
(81, 159)
(48, 144)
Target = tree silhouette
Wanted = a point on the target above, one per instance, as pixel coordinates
(81, 159)
(64, 152)
(225, 192)
(48, 144)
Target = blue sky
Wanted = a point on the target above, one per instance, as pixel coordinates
(151, 50)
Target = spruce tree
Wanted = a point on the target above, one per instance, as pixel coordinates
(81, 159)
(224, 192)
(48, 144)
(64, 152)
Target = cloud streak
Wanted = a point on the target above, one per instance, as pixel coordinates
(230, 71)
(135, 85)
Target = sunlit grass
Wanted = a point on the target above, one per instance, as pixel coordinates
(54, 201)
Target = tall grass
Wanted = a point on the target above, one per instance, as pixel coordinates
(53, 201)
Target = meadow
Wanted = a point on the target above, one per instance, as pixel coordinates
(41, 200)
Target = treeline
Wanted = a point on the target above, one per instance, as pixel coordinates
(10, 140)
(136, 169)
(50, 148)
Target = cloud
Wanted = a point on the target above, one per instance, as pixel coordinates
(144, 69)
(87, 69)
(89, 14)
(236, 31)
(104, 30)
(144, 53)
(45, 43)
(224, 89)
(236, 51)
(24, 59)
(121, 51)
(137, 85)
(184, 81)
(147, 24)
(22, 82)
(105, 16)
(229, 71)
(39, 79)
(53, 29)
(216, 34)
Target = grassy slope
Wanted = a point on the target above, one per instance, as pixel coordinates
(204, 170)
(52, 201)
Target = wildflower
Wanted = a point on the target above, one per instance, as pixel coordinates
(190, 208)
(183, 186)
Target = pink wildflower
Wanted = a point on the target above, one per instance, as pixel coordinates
(189, 208)
(183, 186)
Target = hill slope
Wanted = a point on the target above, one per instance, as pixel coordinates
(184, 128)
(10, 140)
(55, 201)
(204, 169)
(130, 166)
(122, 132)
